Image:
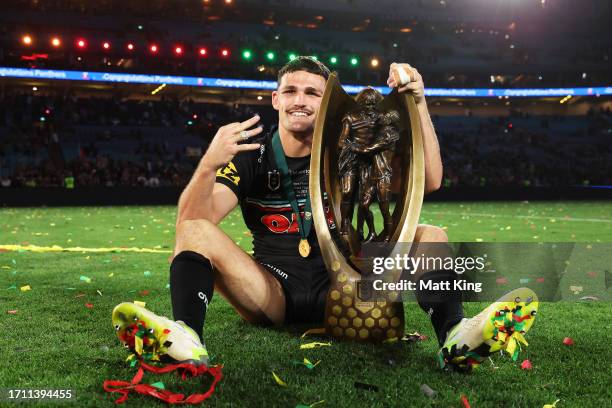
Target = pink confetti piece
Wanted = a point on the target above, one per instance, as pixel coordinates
(13, 312)
(568, 341)
(526, 365)
(89, 305)
(540, 280)
(501, 281)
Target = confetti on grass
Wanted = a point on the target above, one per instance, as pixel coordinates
(318, 330)
(465, 402)
(526, 365)
(278, 380)
(568, 341)
(307, 363)
(13, 312)
(85, 278)
(314, 344)
(553, 405)
(25, 288)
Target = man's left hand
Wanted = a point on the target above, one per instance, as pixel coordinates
(414, 86)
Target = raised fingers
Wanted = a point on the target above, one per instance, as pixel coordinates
(246, 134)
(247, 123)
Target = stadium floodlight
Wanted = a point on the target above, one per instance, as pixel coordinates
(81, 43)
(270, 56)
(56, 42)
(26, 39)
(354, 61)
(130, 46)
(153, 48)
(178, 50)
(225, 52)
(106, 45)
(374, 62)
(333, 60)
(202, 51)
(247, 54)
(292, 56)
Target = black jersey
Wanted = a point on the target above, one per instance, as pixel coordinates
(256, 180)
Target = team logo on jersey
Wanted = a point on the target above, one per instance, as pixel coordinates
(273, 180)
(229, 172)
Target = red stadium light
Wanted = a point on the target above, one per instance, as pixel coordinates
(225, 52)
(130, 46)
(56, 42)
(81, 43)
(153, 48)
(106, 45)
(202, 52)
(178, 50)
(26, 40)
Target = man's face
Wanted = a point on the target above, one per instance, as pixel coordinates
(297, 100)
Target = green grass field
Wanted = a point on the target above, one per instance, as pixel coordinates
(54, 340)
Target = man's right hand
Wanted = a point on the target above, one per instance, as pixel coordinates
(224, 145)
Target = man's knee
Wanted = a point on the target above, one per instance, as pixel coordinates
(193, 235)
(431, 233)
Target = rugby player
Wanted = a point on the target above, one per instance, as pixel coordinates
(280, 284)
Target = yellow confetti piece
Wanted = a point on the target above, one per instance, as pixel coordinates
(278, 380)
(520, 338)
(138, 345)
(309, 364)
(314, 404)
(139, 303)
(110, 275)
(553, 405)
(511, 347)
(318, 330)
(25, 288)
(314, 344)
(57, 248)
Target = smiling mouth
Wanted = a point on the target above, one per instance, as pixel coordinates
(299, 114)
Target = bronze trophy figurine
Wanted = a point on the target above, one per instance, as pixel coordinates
(361, 148)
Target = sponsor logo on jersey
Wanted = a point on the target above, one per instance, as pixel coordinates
(229, 172)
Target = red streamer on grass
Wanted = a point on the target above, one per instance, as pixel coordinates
(465, 401)
(124, 387)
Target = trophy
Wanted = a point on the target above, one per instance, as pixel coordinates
(364, 149)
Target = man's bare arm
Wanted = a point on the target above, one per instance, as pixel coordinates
(203, 198)
(431, 147)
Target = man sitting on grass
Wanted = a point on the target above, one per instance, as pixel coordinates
(279, 284)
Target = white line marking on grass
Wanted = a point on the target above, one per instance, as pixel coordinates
(535, 217)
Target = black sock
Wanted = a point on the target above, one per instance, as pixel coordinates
(191, 288)
(444, 307)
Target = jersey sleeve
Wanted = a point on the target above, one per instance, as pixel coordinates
(238, 174)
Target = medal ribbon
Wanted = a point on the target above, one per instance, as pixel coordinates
(281, 162)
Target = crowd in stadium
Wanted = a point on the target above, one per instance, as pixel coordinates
(62, 139)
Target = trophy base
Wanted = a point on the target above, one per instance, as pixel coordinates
(350, 315)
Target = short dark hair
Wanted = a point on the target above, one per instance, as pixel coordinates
(304, 63)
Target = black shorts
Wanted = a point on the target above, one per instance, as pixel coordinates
(305, 291)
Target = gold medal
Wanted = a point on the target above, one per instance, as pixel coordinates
(304, 248)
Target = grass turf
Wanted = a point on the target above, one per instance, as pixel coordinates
(55, 341)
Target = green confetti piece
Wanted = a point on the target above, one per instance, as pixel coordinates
(70, 288)
(167, 286)
(159, 385)
(12, 287)
(85, 278)
(147, 273)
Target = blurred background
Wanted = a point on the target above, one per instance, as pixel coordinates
(519, 90)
